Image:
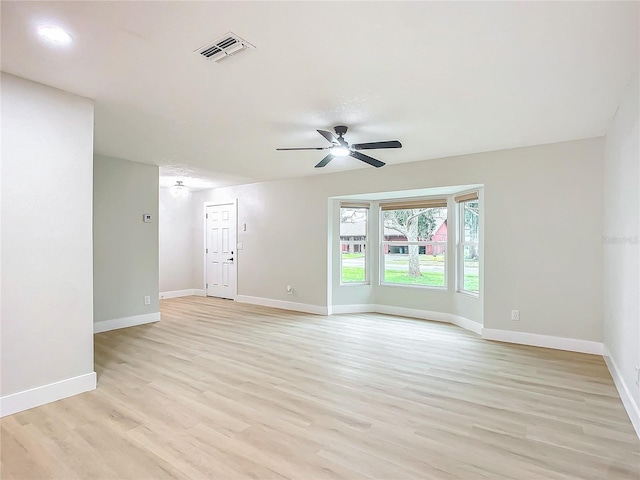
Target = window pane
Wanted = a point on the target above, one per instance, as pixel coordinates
(406, 264)
(410, 264)
(415, 225)
(354, 263)
(471, 214)
(470, 268)
(353, 242)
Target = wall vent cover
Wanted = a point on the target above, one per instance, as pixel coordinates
(225, 46)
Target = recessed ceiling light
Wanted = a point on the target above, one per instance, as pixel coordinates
(54, 34)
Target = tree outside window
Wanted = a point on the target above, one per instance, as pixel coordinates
(414, 246)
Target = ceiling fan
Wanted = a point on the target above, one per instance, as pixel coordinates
(340, 148)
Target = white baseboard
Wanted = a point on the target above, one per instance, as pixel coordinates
(182, 293)
(269, 302)
(467, 324)
(413, 313)
(34, 397)
(522, 338)
(461, 322)
(199, 292)
(547, 341)
(115, 323)
(355, 308)
(628, 401)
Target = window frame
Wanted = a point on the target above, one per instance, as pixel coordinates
(364, 243)
(462, 243)
(382, 242)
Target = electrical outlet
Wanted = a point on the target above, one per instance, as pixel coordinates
(147, 300)
(289, 289)
(515, 315)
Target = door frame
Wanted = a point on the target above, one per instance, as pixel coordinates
(233, 202)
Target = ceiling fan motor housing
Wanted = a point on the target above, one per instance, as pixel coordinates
(340, 130)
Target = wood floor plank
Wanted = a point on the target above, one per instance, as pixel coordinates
(225, 390)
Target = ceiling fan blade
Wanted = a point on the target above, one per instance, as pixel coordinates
(328, 135)
(304, 148)
(373, 145)
(366, 159)
(324, 161)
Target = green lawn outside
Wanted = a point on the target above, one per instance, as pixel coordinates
(471, 283)
(353, 255)
(431, 279)
(427, 260)
(353, 274)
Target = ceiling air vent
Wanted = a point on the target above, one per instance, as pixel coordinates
(224, 47)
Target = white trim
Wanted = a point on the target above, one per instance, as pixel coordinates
(182, 293)
(461, 322)
(416, 286)
(546, 341)
(467, 324)
(199, 292)
(354, 308)
(269, 302)
(628, 401)
(115, 323)
(34, 397)
(413, 312)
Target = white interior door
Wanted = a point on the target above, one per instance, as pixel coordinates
(221, 251)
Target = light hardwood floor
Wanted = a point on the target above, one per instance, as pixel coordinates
(223, 391)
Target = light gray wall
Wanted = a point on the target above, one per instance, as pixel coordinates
(47, 280)
(177, 235)
(621, 248)
(125, 248)
(543, 225)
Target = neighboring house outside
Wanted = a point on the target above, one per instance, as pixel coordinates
(353, 234)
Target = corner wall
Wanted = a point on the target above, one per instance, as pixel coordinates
(622, 251)
(125, 248)
(46, 248)
(176, 237)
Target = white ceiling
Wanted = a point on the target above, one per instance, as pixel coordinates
(444, 78)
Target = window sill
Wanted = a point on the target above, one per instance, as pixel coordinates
(355, 284)
(418, 287)
(468, 294)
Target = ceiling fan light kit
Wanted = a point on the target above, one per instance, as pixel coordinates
(340, 151)
(179, 190)
(340, 148)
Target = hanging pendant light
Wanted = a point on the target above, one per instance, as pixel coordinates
(179, 190)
